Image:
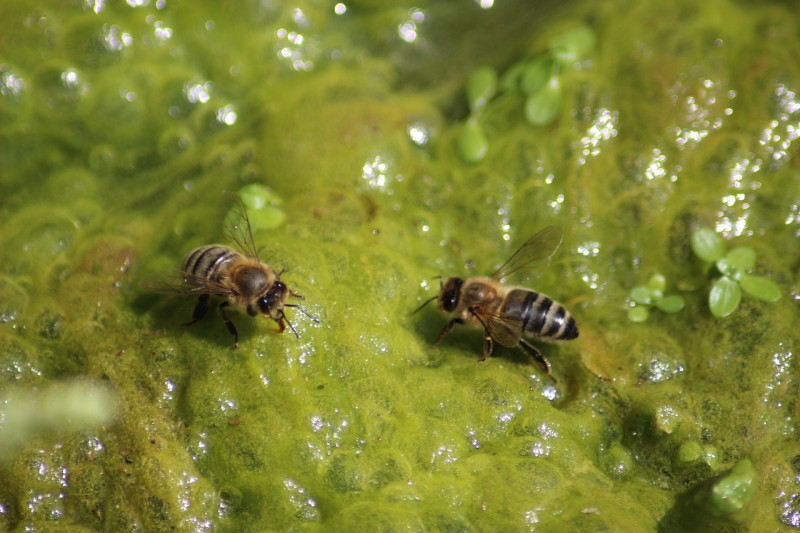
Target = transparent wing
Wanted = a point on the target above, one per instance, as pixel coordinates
(539, 247)
(237, 227)
(185, 283)
(504, 329)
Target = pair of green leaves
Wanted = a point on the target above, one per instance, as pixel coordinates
(733, 265)
(264, 207)
(536, 79)
(652, 295)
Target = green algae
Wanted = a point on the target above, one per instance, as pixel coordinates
(129, 124)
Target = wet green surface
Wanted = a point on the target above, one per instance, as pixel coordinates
(121, 129)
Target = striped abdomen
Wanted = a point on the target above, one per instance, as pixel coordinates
(541, 316)
(210, 262)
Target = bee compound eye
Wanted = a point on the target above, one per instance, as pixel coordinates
(264, 304)
(451, 294)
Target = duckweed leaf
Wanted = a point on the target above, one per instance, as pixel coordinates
(760, 287)
(542, 107)
(724, 297)
(657, 283)
(471, 142)
(707, 245)
(536, 74)
(481, 86)
(256, 196)
(671, 303)
(511, 80)
(742, 258)
(641, 295)
(264, 206)
(638, 313)
(572, 45)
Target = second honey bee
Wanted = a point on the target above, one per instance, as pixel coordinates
(509, 314)
(237, 275)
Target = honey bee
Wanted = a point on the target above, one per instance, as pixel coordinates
(237, 275)
(507, 314)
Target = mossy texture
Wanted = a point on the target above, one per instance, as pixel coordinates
(123, 124)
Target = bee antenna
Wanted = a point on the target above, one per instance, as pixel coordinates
(309, 315)
(440, 280)
(426, 302)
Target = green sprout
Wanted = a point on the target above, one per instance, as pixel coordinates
(733, 267)
(643, 297)
(537, 80)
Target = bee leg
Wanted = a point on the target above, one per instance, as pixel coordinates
(488, 345)
(230, 325)
(447, 329)
(200, 310)
(312, 317)
(541, 360)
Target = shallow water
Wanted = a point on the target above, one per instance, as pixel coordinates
(122, 127)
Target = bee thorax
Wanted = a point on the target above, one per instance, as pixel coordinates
(250, 281)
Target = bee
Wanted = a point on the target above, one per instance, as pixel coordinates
(237, 275)
(507, 314)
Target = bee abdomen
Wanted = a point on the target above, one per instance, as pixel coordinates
(209, 262)
(541, 316)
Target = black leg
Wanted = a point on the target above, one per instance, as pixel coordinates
(541, 360)
(488, 344)
(447, 329)
(315, 319)
(231, 326)
(283, 317)
(200, 310)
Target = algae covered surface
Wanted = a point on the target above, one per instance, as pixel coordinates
(123, 126)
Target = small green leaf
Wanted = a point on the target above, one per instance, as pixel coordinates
(542, 107)
(511, 80)
(760, 287)
(707, 245)
(263, 205)
(481, 86)
(471, 142)
(657, 283)
(638, 313)
(724, 297)
(641, 295)
(742, 258)
(536, 74)
(572, 45)
(256, 196)
(727, 269)
(671, 303)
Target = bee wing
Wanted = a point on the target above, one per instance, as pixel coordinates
(237, 227)
(539, 247)
(185, 283)
(504, 329)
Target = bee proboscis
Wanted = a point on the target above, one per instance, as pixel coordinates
(508, 314)
(238, 276)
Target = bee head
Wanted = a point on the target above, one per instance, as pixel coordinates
(451, 292)
(272, 302)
